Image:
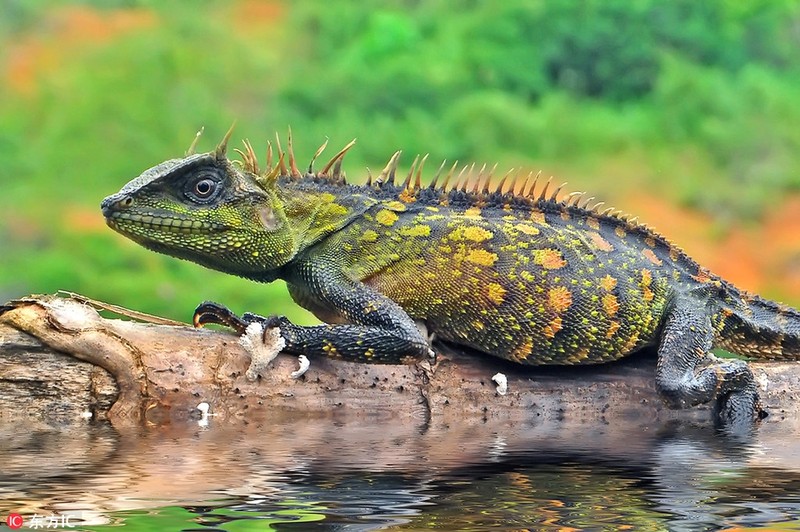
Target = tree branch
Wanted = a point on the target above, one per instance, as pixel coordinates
(59, 359)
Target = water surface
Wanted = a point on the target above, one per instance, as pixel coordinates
(360, 473)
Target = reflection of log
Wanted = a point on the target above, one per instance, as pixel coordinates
(48, 469)
(60, 358)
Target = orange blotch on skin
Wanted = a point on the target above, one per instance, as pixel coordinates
(650, 241)
(522, 352)
(549, 259)
(610, 304)
(600, 243)
(496, 293)
(650, 255)
(559, 299)
(647, 279)
(538, 217)
(613, 327)
(631, 343)
(407, 196)
(703, 276)
(553, 327)
(582, 354)
(608, 283)
(593, 222)
(620, 231)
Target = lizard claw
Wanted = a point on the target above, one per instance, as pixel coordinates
(211, 312)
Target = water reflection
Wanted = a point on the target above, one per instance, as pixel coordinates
(366, 474)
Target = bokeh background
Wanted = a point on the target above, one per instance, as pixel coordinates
(685, 113)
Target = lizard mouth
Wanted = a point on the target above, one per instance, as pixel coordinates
(124, 222)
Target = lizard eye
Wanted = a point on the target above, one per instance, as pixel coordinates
(203, 189)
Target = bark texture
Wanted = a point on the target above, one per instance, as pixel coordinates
(60, 360)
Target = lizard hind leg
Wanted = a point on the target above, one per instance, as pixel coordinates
(687, 374)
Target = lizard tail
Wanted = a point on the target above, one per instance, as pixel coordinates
(755, 327)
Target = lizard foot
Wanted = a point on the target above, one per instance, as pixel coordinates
(263, 344)
(737, 411)
(214, 313)
(261, 337)
(209, 312)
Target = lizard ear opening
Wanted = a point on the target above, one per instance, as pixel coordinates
(268, 219)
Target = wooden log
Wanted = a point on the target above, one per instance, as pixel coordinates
(60, 360)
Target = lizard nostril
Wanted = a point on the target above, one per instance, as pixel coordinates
(112, 203)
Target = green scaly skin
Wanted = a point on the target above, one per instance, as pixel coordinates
(521, 276)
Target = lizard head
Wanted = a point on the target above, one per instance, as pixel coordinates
(205, 209)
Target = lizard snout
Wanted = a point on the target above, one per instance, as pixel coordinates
(115, 203)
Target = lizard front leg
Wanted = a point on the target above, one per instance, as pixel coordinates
(377, 331)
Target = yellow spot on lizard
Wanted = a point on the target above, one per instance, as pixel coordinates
(369, 236)
(416, 230)
(385, 217)
(482, 257)
(334, 209)
(396, 206)
(476, 234)
(496, 293)
(527, 229)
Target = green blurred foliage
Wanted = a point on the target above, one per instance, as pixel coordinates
(707, 90)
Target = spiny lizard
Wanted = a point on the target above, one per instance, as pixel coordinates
(512, 270)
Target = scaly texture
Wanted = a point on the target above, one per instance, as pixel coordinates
(513, 270)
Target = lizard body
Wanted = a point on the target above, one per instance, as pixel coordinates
(512, 271)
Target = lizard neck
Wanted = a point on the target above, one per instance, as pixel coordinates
(315, 210)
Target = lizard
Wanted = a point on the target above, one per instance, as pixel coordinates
(512, 270)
